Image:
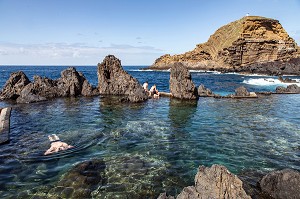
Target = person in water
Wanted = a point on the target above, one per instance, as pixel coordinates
(154, 91)
(56, 145)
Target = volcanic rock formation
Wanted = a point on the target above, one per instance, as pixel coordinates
(81, 180)
(113, 80)
(252, 44)
(213, 182)
(181, 84)
(71, 83)
(205, 92)
(283, 184)
(293, 89)
(14, 85)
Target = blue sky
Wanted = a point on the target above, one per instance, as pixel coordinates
(83, 32)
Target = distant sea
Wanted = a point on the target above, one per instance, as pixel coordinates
(164, 140)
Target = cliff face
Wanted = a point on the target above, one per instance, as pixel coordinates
(247, 41)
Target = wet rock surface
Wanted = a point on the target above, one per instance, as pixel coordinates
(81, 181)
(205, 92)
(283, 184)
(181, 84)
(113, 80)
(242, 92)
(113, 177)
(71, 83)
(286, 80)
(294, 89)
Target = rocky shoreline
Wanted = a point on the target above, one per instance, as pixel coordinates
(113, 80)
(213, 182)
(217, 182)
(91, 178)
(252, 44)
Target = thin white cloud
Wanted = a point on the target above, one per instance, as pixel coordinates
(131, 47)
(64, 53)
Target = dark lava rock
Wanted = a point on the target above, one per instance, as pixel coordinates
(290, 67)
(132, 177)
(181, 84)
(286, 80)
(28, 95)
(242, 92)
(113, 80)
(164, 196)
(14, 85)
(71, 83)
(204, 92)
(284, 184)
(289, 89)
(81, 180)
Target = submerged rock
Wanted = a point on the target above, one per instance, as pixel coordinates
(289, 89)
(81, 180)
(113, 80)
(71, 83)
(284, 184)
(181, 84)
(165, 196)
(131, 177)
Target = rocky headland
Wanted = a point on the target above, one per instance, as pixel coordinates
(252, 44)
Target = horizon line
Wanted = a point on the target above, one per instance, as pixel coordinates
(1, 65)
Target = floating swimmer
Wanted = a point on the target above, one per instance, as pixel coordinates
(56, 145)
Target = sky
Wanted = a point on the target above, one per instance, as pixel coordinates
(83, 32)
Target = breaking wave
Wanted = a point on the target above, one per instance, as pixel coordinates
(268, 82)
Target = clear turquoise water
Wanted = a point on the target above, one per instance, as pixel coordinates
(165, 140)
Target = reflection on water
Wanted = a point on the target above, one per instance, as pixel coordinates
(147, 148)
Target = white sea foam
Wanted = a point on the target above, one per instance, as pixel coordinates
(267, 82)
(204, 71)
(150, 70)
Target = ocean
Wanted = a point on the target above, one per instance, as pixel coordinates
(151, 147)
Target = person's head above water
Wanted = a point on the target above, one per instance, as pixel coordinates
(53, 137)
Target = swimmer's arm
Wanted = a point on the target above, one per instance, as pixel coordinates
(51, 150)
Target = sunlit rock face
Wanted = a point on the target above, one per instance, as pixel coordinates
(113, 80)
(242, 46)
